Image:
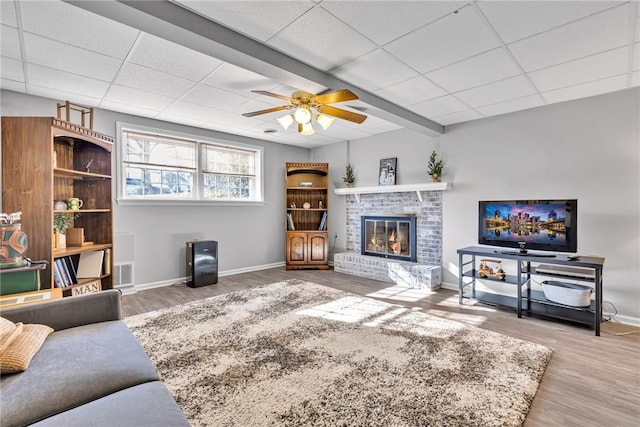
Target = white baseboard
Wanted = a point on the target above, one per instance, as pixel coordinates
(162, 283)
(619, 318)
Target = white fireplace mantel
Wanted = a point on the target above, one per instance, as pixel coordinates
(418, 188)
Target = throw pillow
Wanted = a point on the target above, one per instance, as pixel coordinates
(19, 343)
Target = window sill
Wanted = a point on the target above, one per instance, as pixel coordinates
(179, 202)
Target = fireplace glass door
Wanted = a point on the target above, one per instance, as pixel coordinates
(389, 237)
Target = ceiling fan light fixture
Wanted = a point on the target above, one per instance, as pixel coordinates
(307, 129)
(285, 121)
(324, 121)
(302, 115)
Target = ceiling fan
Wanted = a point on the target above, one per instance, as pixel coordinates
(305, 102)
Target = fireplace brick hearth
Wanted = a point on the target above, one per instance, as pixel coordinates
(427, 271)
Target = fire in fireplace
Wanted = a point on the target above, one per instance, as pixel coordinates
(391, 236)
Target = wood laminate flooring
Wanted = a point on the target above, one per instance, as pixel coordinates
(590, 381)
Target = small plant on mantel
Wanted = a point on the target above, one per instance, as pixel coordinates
(349, 176)
(434, 167)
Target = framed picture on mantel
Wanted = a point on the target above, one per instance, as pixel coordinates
(388, 169)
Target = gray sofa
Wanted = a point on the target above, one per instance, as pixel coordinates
(91, 371)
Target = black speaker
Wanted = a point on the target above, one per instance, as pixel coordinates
(202, 263)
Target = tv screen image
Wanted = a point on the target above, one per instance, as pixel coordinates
(548, 225)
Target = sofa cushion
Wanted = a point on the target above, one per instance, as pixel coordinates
(75, 366)
(144, 405)
(19, 343)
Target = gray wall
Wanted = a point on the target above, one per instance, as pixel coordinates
(587, 149)
(247, 237)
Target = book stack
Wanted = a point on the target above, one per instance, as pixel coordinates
(64, 272)
(90, 265)
(323, 222)
(290, 225)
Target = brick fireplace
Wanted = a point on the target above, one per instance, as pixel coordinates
(426, 207)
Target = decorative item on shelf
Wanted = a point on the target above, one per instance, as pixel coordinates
(349, 175)
(306, 184)
(306, 205)
(388, 170)
(75, 237)
(55, 160)
(60, 205)
(75, 203)
(434, 167)
(83, 110)
(61, 222)
(484, 270)
(319, 204)
(13, 241)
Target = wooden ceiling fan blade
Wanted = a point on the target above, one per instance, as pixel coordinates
(341, 114)
(273, 95)
(337, 96)
(268, 110)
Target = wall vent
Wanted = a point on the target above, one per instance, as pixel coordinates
(123, 275)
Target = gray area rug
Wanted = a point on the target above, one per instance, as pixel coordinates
(296, 353)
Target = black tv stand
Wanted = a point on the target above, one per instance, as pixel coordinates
(525, 298)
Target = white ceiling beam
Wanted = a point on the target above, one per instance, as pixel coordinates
(182, 26)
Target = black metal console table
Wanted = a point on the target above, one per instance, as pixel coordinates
(531, 301)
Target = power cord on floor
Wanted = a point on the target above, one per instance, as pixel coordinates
(609, 315)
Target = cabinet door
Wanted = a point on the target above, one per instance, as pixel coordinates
(318, 248)
(296, 248)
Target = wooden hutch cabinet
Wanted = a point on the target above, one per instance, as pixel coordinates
(45, 160)
(307, 209)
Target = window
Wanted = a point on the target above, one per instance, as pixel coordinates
(156, 166)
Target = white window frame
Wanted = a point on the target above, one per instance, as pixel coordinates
(198, 183)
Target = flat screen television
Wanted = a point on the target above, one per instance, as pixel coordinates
(545, 225)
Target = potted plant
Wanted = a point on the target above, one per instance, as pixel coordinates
(434, 167)
(60, 224)
(349, 176)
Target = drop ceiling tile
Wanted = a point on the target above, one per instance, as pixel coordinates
(374, 125)
(481, 69)
(257, 19)
(504, 90)
(588, 36)
(595, 67)
(70, 24)
(12, 69)
(338, 130)
(10, 41)
(635, 78)
(438, 107)
(636, 56)
(459, 117)
(52, 54)
(128, 108)
(8, 13)
(597, 87)
(195, 111)
(178, 118)
(137, 99)
(411, 91)
(235, 79)
(517, 104)
(384, 21)
(213, 97)
(236, 121)
(61, 95)
(321, 40)
(514, 20)
(374, 70)
(13, 85)
(67, 82)
(445, 41)
(148, 80)
(152, 52)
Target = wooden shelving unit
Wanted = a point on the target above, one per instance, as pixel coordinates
(44, 160)
(307, 210)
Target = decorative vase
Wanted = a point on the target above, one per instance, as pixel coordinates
(348, 184)
(435, 177)
(59, 241)
(13, 244)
